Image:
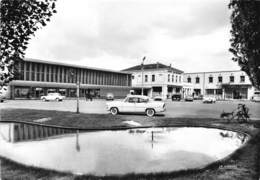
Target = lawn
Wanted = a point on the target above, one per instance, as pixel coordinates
(242, 164)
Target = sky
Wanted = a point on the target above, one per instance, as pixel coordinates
(191, 35)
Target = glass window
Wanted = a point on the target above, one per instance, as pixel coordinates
(220, 79)
(146, 78)
(189, 80)
(197, 80)
(210, 79)
(172, 78)
(132, 100)
(153, 78)
(142, 100)
(231, 78)
(169, 77)
(242, 78)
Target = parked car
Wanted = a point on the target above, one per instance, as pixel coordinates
(176, 97)
(53, 97)
(136, 104)
(209, 99)
(158, 98)
(110, 96)
(189, 98)
(198, 97)
(256, 96)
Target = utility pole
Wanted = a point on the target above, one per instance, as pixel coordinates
(74, 75)
(142, 68)
(78, 86)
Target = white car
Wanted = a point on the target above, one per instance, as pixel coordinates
(209, 99)
(256, 96)
(136, 104)
(53, 97)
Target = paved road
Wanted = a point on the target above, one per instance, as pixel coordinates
(174, 109)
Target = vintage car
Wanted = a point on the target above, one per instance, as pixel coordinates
(53, 97)
(136, 104)
(189, 98)
(256, 96)
(176, 97)
(209, 99)
(158, 98)
(110, 97)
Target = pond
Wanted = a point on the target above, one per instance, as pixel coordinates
(116, 152)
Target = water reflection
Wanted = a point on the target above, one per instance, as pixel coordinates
(18, 132)
(142, 150)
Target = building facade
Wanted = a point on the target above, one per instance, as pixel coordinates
(156, 79)
(221, 84)
(35, 78)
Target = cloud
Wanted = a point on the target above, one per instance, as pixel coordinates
(104, 33)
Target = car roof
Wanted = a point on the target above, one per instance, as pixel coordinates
(138, 96)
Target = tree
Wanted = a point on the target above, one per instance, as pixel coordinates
(19, 19)
(245, 37)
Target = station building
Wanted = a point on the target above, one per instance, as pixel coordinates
(156, 79)
(221, 84)
(35, 78)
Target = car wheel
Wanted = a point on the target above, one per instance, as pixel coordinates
(57, 99)
(114, 111)
(150, 112)
(43, 99)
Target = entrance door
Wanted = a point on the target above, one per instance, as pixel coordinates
(236, 94)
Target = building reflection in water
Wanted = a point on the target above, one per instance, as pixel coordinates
(14, 132)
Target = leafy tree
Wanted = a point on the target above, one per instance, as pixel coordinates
(245, 37)
(19, 19)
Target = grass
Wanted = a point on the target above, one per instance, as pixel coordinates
(242, 164)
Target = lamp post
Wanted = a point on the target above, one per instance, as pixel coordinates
(77, 85)
(142, 68)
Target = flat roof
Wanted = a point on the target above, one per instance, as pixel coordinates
(214, 72)
(72, 65)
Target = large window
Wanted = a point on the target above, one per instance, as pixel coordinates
(169, 77)
(172, 78)
(153, 78)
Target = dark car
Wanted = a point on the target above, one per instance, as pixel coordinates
(176, 97)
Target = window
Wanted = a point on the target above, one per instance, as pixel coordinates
(220, 79)
(242, 78)
(146, 78)
(179, 78)
(231, 78)
(142, 100)
(172, 78)
(197, 80)
(189, 80)
(169, 77)
(132, 100)
(133, 77)
(153, 78)
(210, 79)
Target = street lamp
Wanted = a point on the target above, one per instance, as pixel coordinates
(77, 85)
(142, 68)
